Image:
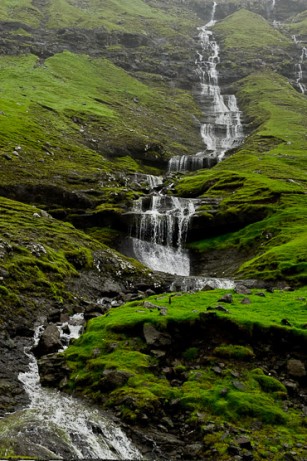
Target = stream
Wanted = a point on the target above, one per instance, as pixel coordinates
(58, 426)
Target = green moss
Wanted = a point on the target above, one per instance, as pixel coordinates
(116, 342)
(234, 351)
(191, 353)
(268, 383)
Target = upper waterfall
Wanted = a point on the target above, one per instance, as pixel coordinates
(221, 128)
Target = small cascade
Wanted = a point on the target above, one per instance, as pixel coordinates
(198, 283)
(150, 181)
(299, 66)
(159, 230)
(61, 427)
(221, 129)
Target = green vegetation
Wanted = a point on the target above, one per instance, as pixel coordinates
(234, 351)
(112, 15)
(70, 113)
(298, 24)
(244, 30)
(40, 256)
(249, 43)
(114, 346)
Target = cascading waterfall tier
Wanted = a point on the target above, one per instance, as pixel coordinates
(299, 66)
(221, 129)
(159, 230)
(62, 427)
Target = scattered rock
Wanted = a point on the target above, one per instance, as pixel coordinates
(233, 450)
(226, 298)
(261, 294)
(286, 322)
(153, 337)
(207, 287)
(246, 301)
(238, 385)
(222, 309)
(244, 442)
(167, 421)
(242, 290)
(157, 353)
(149, 305)
(53, 370)
(296, 368)
(113, 379)
(217, 370)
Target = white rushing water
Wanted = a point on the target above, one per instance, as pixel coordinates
(299, 66)
(221, 129)
(160, 229)
(81, 431)
(150, 180)
(198, 283)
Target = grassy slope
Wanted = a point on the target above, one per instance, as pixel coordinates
(250, 43)
(39, 103)
(110, 343)
(113, 15)
(248, 31)
(298, 25)
(39, 256)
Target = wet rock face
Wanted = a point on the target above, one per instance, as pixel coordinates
(53, 370)
(49, 342)
(12, 362)
(296, 368)
(113, 379)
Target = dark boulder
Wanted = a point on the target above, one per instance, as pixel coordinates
(113, 379)
(296, 368)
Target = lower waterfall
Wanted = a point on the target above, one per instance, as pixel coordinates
(159, 230)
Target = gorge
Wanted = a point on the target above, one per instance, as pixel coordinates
(153, 181)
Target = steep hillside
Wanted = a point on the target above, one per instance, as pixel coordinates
(95, 99)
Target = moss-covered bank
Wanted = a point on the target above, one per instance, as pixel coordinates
(219, 365)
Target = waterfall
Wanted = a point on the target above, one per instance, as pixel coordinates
(159, 230)
(65, 427)
(160, 223)
(151, 181)
(299, 67)
(221, 129)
